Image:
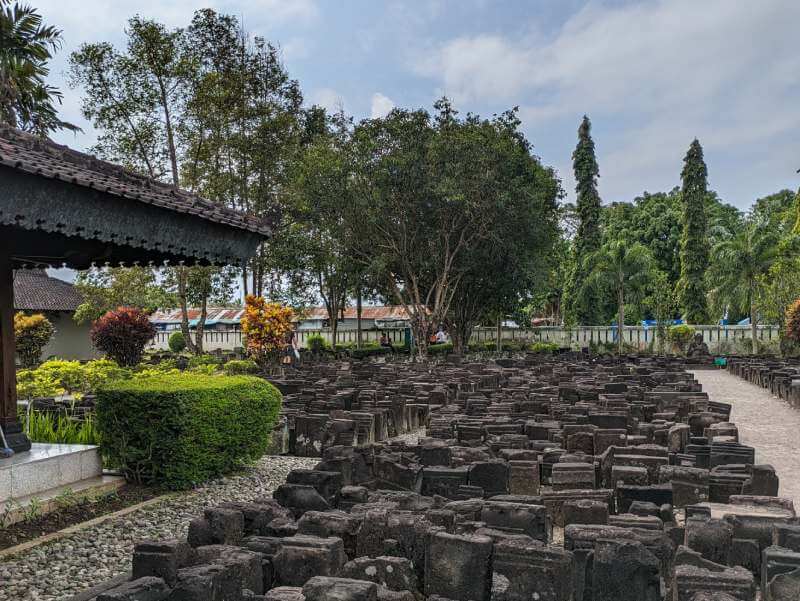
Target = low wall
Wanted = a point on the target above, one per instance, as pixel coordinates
(720, 339)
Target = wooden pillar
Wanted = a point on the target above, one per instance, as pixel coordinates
(8, 375)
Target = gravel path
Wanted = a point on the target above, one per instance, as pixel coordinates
(765, 422)
(58, 570)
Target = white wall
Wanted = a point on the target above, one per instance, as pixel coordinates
(71, 341)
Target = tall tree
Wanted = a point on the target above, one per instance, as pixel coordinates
(207, 107)
(26, 45)
(739, 266)
(694, 253)
(623, 270)
(584, 306)
(106, 289)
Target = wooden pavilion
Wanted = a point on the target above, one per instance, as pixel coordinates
(60, 207)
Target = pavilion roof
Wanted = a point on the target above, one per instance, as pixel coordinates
(100, 201)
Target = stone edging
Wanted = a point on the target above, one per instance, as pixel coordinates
(54, 536)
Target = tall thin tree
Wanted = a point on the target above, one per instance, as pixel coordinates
(584, 305)
(694, 250)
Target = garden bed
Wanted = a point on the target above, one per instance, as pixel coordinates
(73, 510)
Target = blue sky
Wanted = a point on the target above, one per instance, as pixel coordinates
(652, 75)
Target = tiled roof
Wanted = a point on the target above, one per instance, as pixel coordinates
(367, 312)
(43, 157)
(34, 290)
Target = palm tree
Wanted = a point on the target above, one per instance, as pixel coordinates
(623, 269)
(739, 263)
(26, 100)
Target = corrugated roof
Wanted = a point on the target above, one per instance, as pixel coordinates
(367, 312)
(34, 290)
(217, 314)
(43, 157)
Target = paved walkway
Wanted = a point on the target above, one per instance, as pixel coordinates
(765, 422)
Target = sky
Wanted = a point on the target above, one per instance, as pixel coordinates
(651, 75)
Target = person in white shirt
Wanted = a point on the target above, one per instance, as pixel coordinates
(441, 337)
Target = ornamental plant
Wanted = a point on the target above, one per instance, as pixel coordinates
(123, 334)
(32, 333)
(793, 321)
(176, 342)
(265, 327)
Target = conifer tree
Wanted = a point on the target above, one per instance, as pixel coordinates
(694, 251)
(583, 304)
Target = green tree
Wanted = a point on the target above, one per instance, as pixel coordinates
(584, 306)
(624, 270)
(106, 289)
(740, 263)
(694, 251)
(26, 45)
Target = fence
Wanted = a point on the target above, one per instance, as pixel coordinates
(720, 339)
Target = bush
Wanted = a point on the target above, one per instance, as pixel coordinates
(793, 322)
(184, 429)
(680, 335)
(265, 327)
(123, 334)
(32, 333)
(369, 351)
(543, 347)
(202, 360)
(69, 375)
(176, 342)
(316, 344)
(440, 349)
(237, 367)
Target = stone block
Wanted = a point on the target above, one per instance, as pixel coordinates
(218, 526)
(531, 570)
(491, 476)
(459, 567)
(325, 588)
(147, 588)
(524, 477)
(517, 518)
(394, 573)
(161, 559)
(784, 587)
(585, 511)
(302, 557)
(710, 537)
(624, 570)
(299, 498)
(206, 583)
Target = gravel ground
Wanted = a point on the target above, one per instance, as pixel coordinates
(56, 571)
(765, 422)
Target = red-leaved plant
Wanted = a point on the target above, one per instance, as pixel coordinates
(123, 334)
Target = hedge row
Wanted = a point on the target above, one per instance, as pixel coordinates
(181, 430)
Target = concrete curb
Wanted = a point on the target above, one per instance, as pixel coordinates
(54, 536)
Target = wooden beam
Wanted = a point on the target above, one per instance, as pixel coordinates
(8, 376)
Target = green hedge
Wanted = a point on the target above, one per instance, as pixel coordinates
(181, 430)
(441, 348)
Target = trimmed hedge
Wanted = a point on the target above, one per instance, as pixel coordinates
(180, 430)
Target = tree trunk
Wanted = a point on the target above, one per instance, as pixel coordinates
(753, 328)
(187, 336)
(359, 340)
(420, 329)
(620, 319)
(499, 333)
(459, 335)
(244, 281)
(201, 325)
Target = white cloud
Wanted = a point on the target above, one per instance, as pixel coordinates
(328, 98)
(660, 72)
(381, 105)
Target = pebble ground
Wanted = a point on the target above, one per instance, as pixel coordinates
(765, 422)
(59, 570)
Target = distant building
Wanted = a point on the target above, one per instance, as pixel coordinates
(217, 318)
(316, 318)
(36, 292)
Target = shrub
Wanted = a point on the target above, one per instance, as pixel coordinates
(184, 429)
(680, 335)
(69, 375)
(238, 367)
(316, 343)
(265, 327)
(176, 342)
(369, 351)
(793, 321)
(544, 347)
(100, 371)
(32, 333)
(123, 334)
(31, 384)
(202, 360)
(440, 349)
